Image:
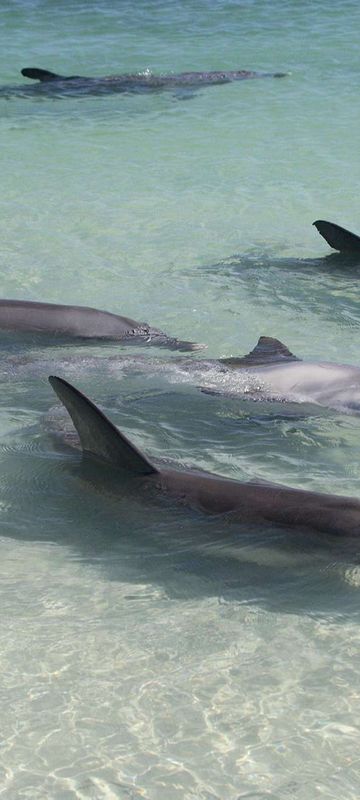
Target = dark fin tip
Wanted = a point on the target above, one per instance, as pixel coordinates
(337, 237)
(39, 74)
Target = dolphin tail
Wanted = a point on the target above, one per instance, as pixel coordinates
(337, 237)
(42, 75)
(98, 436)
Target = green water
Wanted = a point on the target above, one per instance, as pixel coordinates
(149, 652)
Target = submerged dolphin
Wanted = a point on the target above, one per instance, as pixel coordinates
(269, 373)
(82, 322)
(337, 237)
(254, 502)
(276, 373)
(51, 83)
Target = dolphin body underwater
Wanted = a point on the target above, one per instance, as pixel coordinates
(277, 374)
(76, 85)
(81, 322)
(269, 373)
(254, 502)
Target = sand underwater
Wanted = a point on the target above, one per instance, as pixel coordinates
(148, 651)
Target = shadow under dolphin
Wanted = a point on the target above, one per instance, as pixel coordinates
(173, 550)
(327, 285)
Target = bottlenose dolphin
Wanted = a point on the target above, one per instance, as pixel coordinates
(74, 85)
(25, 316)
(270, 373)
(253, 502)
(337, 237)
(276, 373)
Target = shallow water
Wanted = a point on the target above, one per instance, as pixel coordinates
(149, 652)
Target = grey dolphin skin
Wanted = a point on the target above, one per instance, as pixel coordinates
(252, 502)
(337, 237)
(280, 375)
(81, 322)
(77, 85)
(270, 373)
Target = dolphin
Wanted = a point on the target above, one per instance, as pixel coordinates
(337, 237)
(269, 373)
(254, 502)
(77, 85)
(81, 322)
(275, 373)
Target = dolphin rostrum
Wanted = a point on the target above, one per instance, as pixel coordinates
(254, 502)
(51, 83)
(337, 237)
(60, 321)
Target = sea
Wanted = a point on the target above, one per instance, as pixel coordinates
(149, 652)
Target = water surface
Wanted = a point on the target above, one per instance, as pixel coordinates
(149, 652)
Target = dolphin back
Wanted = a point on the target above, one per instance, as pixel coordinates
(148, 81)
(98, 436)
(337, 237)
(44, 75)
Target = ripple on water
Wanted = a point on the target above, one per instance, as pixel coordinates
(148, 651)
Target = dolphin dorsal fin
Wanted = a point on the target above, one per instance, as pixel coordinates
(267, 351)
(337, 237)
(98, 436)
(40, 74)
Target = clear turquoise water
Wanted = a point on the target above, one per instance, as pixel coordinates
(149, 652)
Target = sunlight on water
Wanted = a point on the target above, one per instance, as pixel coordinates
(147, 651)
